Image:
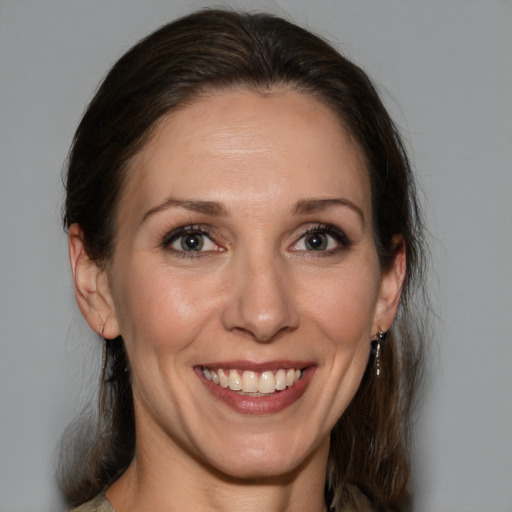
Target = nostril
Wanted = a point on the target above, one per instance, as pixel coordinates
(261, 336)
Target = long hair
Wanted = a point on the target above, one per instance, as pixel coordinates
(225, 50)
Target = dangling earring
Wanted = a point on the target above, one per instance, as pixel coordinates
(381, 336)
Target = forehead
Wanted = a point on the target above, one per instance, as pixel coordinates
(259, 146)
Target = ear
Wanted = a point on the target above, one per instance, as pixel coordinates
(92, 288)
(392, 280)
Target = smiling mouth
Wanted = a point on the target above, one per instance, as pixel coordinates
(250, 383)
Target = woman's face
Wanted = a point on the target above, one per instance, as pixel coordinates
(245, 282)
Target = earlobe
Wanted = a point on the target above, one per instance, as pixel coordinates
(92, 289)
(391, 284)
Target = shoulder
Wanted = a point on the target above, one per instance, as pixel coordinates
(98, 504)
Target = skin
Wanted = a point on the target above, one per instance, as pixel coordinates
(256, 293)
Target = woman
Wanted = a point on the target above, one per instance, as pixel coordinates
(244, 235)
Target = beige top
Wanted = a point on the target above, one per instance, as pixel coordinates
(357, 502)
(98, 504)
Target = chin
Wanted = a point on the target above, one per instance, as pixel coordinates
(264, 459)
(258, 470)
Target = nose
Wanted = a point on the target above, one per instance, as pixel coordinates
(261, 302)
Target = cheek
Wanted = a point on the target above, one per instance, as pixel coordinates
(343, 305)
(162, 309)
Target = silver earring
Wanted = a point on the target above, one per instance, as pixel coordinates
(102, 329)
(377, 346)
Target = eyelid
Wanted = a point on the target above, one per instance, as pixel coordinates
(173, 234)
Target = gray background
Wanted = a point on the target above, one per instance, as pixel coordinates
(445, 68)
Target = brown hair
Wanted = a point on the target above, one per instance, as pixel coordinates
(216, 49)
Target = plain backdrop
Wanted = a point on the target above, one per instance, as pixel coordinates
(445, 70)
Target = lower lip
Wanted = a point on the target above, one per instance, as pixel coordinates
(261, 405)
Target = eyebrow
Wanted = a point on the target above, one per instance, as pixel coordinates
(303, 207)
(308, 206)
(205, 207)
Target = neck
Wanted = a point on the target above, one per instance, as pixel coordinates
(175, 484)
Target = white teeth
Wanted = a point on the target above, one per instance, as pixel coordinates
(267, 383)
(234, 381)
(280, 380)
(253, 382)
(223, 379)
(290, 377)
(250, 382)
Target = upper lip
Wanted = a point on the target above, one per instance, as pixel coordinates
(258, 366)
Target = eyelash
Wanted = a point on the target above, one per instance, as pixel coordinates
(176, 234)
(339, 236)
